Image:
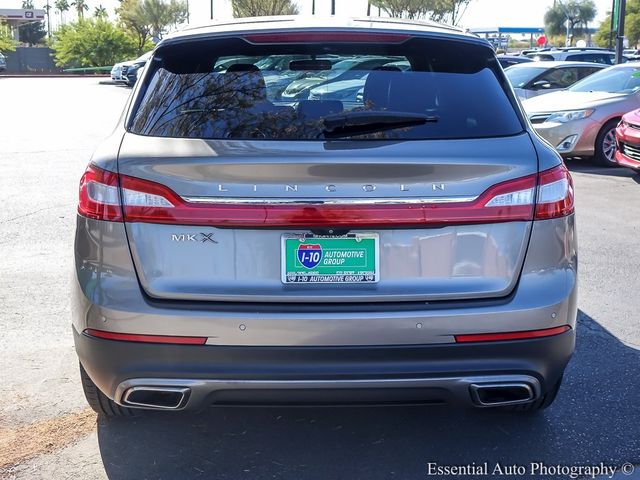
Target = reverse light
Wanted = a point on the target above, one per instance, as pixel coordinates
(99, 197)
(569, 116)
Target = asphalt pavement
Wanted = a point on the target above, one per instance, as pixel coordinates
(48, 129)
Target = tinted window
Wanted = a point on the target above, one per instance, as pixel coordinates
(520, 76)
(560, 77)
(584, 72)
(541, 57)
(218, 90)
(613, 80)
(604, 58)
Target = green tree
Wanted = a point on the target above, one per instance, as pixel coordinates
(260, 8)
(631, 27)
(146, 19)
(6, 40)
(577, 13)
(445, 11)
(81, 7)
(406, 8)
(100, 11)
(93, 42)
(62, 6)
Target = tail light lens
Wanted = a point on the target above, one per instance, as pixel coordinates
(99, 195)
(555, 194)
(150, 202)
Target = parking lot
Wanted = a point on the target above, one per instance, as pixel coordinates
(48, 130)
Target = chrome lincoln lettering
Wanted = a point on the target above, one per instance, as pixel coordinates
(183, 238)
(346, 189)
(193, 237)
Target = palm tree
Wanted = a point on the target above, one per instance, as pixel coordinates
(81, 7)
(100, 11)
(62, 6)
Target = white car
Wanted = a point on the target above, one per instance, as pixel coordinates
(117, 73)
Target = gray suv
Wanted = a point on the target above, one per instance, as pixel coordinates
(416, 245)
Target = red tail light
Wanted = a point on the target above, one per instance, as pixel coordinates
(555, 193)
(99, 195)
(145, 201)
(327, 37)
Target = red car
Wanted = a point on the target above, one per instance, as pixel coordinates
(628, 139)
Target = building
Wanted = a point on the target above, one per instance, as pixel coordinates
(16, 17)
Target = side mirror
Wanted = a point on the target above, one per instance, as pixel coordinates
(540, 85)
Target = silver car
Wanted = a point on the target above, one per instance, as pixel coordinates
(581, 121)
(539, 78)
(417, 247)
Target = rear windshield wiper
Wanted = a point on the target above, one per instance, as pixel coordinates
(361, 123)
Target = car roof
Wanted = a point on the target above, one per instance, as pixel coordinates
(301, 22)
(558, 63)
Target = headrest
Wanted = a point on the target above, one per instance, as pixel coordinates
(247, 81)
(319, 108)
(243, 67)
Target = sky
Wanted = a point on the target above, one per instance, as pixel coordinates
(481, 13)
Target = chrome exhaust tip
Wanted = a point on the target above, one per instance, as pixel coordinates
(501, 394)
(156, 398)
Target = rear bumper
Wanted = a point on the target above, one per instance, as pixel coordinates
(438, 373)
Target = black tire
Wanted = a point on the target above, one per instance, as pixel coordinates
(543, 402)
(603, 146)
(99, 402)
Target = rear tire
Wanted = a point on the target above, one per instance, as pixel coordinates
(99, 402)
(543, 402)
(606, 145)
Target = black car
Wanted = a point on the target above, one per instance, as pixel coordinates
(509, 60)
(130, 72)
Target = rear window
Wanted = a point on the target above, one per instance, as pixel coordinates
(233, 89)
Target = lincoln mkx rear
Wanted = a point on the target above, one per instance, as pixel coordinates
(343, 212)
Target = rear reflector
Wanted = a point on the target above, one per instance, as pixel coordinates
(150, 202)
(133, 337)
(496, 337)
(326, 37)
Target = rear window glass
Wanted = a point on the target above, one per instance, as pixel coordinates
(233, 89)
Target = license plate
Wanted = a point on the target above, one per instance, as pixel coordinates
(350, 258)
